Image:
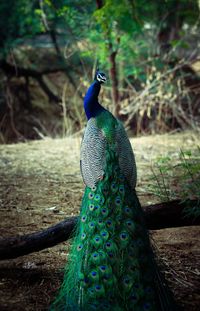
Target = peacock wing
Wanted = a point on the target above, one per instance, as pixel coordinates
(92, 161)
(126, 155)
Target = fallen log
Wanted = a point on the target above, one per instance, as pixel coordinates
(170, 214)
(17, 246)
(158, 216)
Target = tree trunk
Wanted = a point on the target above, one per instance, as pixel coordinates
(113, 66)
(158, 216)
(113, 76)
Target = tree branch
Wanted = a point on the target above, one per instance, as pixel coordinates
(38, 76)
(47, 90)
(52, 34)
(25, 72)
(158, 216)
(170, 214)
(22, 245)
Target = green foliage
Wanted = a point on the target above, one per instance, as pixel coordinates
(116, 16)
(178, 177)
(114, 27)
(25, 19)
(131, 29)
(121, 23)
(19, 20)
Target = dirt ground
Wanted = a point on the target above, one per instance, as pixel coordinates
(40, 184)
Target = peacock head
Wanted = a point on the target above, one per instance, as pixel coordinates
(100, 77)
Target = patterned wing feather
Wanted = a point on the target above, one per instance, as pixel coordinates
(92, 154)
(126, 155)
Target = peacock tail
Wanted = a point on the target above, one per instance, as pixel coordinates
(110, 253)
(111, 265)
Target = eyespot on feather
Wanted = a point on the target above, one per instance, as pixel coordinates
(91, 195)
(83, 218)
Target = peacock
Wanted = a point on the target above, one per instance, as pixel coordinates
(111, 265)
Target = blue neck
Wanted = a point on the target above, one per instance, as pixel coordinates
(91, 104)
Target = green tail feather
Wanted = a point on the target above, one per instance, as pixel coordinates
(111, 265)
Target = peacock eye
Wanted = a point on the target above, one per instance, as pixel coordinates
(121, 177)
(97, 239)
(83, 236)
(127, 210)
(104, 211)
(109, 223)
(133, 297)
(91, 207)
(123, 236)
(79, 247)
(98, 287)
(91, 290)
(102, 200)
(83, 218)
(97, 197)
(117, 201)
(127, 281)
(113, 186)
(101, 77)
(121, 189)
(91, 195)
(130, 224)
(110, 254)
(147, 306)
(91, 224)
(86, 281)
(106, 277)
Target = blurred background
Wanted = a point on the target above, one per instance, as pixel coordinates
(49, 51)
